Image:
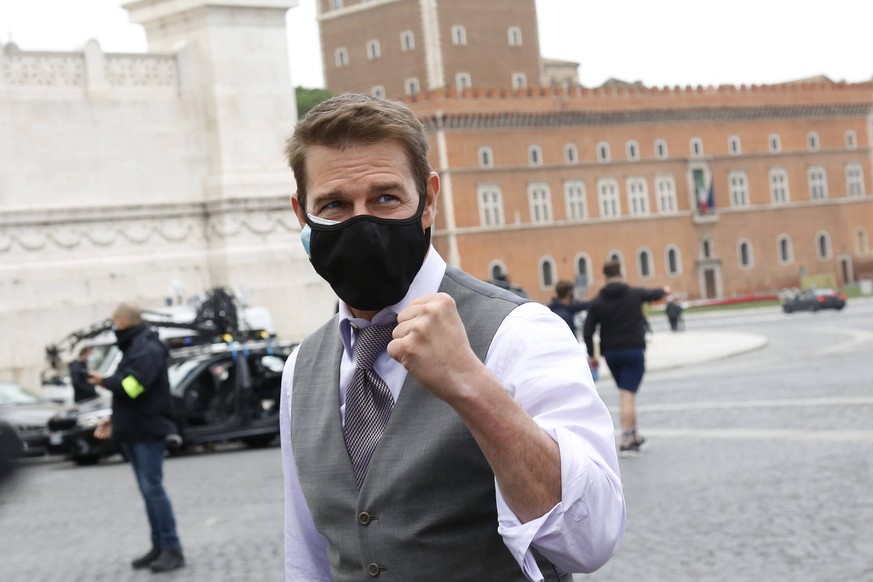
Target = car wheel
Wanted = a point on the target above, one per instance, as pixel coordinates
(259, 441)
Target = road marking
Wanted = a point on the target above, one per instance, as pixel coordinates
(838, 401)
(788, 435)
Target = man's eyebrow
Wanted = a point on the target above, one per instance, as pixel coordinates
(382, 186)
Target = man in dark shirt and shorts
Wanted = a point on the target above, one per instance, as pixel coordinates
(618, 312)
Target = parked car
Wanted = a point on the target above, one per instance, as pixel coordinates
(813, 300)
(220, 393)
(28, 415)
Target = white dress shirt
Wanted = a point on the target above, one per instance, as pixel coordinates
(539, 362)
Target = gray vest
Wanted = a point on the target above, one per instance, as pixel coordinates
(426, 511)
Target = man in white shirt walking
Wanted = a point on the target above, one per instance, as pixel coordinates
(474, 444)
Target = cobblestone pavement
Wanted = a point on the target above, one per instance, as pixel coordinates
(60, 522)
(758, 469)
(758, 466)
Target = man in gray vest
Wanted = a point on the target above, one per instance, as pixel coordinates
(438, 427)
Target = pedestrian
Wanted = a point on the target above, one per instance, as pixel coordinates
(473, 447)
(141, 420)
(82, 389)
(565, 305)
(674, 313)
(618, 311)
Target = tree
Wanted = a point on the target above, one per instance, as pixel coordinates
(309, 98)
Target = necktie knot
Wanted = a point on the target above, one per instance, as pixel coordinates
(371, 341)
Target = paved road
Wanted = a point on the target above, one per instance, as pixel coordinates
(759, 469)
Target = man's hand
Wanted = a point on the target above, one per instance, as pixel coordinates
(95, 379)
(103, 430)
(431, 343)
(593, 363)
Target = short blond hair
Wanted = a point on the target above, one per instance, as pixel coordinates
(128, 312)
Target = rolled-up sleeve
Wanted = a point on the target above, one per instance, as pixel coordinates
(542, 365)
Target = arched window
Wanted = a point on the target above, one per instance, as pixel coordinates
(497, 270)
(644, 263)
(862, 243)
(547, 273)
(583, 270)
(744, 254)
(786, 251)
(673, 261)
(823, 245)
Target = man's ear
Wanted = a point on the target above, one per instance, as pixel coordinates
(428, 217)
(298, 209)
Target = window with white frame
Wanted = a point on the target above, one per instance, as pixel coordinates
(378, 91)
(823, 245)
(583, 269)
(785, 249)
(603, 152)
(486, 157)
(574, 199)
(644, 264)
(374, 49)
(571, 154)
(706, 248)
(497, 270)
(779, 186)
(673, 260)
(735, 147)
(336, 4)
(547, 272)
(490, 205)
(660, 149)
(519, 81)
(851, 139)
(412, 86)
(513, 33)
(775, 143)
(812, 141)
(633, 150)
(407, 41)
(818, 183)
(535, 155)
(637, 196)
(854, 180)
(744, 254)
(463, 81)
(540, 201)
(616, 256)
(459, 35)
(607, 198)
(696, 146)
(665, 194)
(862, 242)
(341, 57)
(738, 187)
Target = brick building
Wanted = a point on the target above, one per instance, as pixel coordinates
(713, 191)
(401, 47)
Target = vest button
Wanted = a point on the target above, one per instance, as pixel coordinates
(364, 518)
(373, 569)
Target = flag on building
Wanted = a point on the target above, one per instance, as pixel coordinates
(705, 197)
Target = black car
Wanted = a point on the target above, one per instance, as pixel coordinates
(219, 394)
(28, 415)
(813, 300)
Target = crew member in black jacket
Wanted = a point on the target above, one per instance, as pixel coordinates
(141, 420)
(82, 389)
(618, 311)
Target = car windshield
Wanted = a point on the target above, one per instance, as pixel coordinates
(15, 394)
(180, 371)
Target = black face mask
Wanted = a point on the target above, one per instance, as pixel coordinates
(123, 337)
(369, 262)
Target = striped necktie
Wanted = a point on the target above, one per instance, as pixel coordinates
(368, 400)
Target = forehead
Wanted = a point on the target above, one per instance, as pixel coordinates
(326, 166)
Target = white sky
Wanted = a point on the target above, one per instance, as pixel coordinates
(659, 42)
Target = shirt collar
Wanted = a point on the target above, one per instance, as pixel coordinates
(426, 281)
